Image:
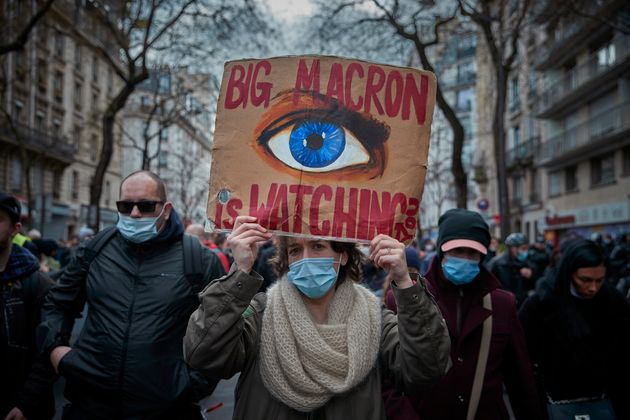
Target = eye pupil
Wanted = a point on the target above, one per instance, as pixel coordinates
(314, 141)
(317, 144)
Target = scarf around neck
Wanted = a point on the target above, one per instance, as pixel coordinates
(20, 265)
(304, 364)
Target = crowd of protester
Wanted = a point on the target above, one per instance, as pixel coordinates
(450, 326)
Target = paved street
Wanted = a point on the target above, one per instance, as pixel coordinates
(224, 394)
(222, 398)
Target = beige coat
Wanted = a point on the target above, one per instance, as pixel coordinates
(223, 338)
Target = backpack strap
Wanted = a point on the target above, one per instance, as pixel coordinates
(96, 244)
(193, 266)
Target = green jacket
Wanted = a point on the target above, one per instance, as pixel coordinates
(223, 335)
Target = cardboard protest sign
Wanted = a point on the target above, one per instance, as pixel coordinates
(321, 147)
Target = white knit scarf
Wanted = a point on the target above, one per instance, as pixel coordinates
(304, 364)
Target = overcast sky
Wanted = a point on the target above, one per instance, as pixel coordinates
(289, 10)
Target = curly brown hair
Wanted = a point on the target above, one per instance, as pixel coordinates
(351, 270)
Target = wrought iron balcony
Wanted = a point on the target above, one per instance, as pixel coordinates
(522, 153)
(20, 135)
(559, 93)
(587, 135)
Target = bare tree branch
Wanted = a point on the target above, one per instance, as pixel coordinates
(21, 39)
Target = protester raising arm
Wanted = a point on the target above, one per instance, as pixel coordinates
(318, 335)
(227, 322)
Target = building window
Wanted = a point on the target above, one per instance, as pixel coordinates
(534, 186)
(77, 57)
(163, 159)
(604, 119)
(466, 45)
(75, 185)
(164, 83)
(94, 101)
(570, 178)
(163, 134)
(93, 147)
(19, 106)
(56, 126)
(110, 80)
(37, 176)
(41, 75)
(42, 36)
(606, 56)
(56, 185)
(59, 44)
(603, 169)
(531, 81)
(515, 95)
(58, 87)
(77, 138)
(554, 183)
(465, 72)
(626, 161)
(20, 66)
(95, 68)
(78, 87)
(570, 77)
(518, 189)
(40, 121)
(516, 135)
(464, 100)
(16, 175)
(466, 123)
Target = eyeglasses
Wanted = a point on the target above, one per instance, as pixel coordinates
(145, 206)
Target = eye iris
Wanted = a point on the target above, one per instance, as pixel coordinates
(316, 144)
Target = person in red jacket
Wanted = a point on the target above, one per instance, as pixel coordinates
(459, 281)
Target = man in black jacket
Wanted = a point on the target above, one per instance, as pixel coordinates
(512, 268)
(127, 362)
(25, 380)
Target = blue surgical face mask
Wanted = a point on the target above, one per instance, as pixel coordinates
(460, 271)
(138, 230)
(313, 277)
(522, 255)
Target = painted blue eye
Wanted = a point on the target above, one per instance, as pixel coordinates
(316, 144)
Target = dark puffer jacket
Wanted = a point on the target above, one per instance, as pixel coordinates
(25, 381)
(507, 270)
(127, 360)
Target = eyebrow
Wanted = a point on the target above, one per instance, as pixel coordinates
(584, 278)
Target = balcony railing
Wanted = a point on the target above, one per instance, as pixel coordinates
(56, 147)
(578, 76)
(605, 124)
(522, 152)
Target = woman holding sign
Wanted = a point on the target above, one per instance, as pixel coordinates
(317, 345)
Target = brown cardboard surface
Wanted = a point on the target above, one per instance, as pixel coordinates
(321, 146)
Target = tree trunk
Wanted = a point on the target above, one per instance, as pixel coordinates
(498, 133)
(460, 179)
(107, 148)
(30, 201)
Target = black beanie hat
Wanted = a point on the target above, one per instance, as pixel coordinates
(463, 225)
(11, 206)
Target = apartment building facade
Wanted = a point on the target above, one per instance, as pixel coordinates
(54, 92)
(582, 149)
